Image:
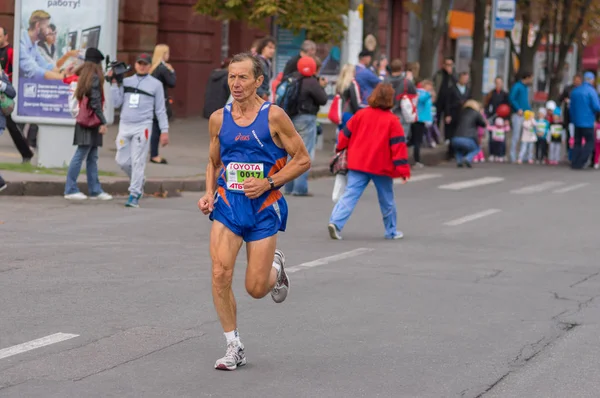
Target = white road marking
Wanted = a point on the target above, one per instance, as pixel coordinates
(327, 260)
(472, 217)
(33, 344)
(537, 188)
(457, 186)
(572, 187)
(418, 177)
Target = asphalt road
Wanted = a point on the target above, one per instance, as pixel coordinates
(493, 292)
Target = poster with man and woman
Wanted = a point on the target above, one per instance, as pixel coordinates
(52, 39)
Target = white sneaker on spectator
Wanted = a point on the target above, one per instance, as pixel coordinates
(102, 196)
(76, 196)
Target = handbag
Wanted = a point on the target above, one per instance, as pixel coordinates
(7, 104)
(87, 116)
(339, 163)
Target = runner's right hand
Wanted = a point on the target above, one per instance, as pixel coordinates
(206, 203)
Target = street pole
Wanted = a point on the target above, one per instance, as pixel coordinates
(492, 29)
(354, 32)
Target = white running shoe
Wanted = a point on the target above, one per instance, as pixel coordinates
(397, 235)
(334, 232)
(102, 196)
(282, 286)
(76, 196)
(234, 357)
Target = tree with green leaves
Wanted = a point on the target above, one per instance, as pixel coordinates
(561, 23)
(323, 20)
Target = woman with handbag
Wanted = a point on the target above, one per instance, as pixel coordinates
(90, 126)
(164, 72)
(376, 148)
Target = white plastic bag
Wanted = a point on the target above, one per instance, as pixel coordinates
(339, 187)
(73, 102)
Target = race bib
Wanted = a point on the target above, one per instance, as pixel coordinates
(498, 135)
(556, 132)
(134, 100)
(237, 173)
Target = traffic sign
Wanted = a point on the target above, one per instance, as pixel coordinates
(505, 14)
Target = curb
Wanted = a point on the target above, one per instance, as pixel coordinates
(167, 188)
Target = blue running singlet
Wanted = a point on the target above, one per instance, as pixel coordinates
(249, 152)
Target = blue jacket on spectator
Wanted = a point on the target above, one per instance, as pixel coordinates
(367, 81)
(6, 88)
(424, 106)
(519, 97)
(584, 106)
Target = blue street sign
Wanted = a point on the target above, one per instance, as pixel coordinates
(505, 14)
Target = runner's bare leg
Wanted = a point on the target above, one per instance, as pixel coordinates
(261, 276)
(224, 248)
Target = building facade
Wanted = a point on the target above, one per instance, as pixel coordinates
(198, 43)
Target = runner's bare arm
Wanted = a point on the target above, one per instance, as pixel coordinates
(287, 136)
(214, 151)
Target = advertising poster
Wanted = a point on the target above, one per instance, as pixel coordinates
(51, 37)
(288, 46)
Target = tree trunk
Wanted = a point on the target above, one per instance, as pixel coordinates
(478, 50)
(431, 33)
(426, 49)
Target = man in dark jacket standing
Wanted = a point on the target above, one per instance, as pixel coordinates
(584, 107)
(307, 49)
(312, 96)
(7, 89)
(6, 64)
(456, 97)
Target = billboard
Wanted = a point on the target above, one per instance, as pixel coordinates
(51, 37)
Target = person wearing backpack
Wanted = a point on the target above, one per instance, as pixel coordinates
(402, 87)
(310, 96)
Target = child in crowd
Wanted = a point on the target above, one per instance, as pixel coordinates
(597, 135)
(528, 139)
(480, 157)
(498, 140)
(542, 129)
(557, 136)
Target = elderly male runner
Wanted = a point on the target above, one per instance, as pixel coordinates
(250, 140)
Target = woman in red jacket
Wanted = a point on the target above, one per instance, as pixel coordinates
(377, 151)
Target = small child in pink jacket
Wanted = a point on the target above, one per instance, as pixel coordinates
(480, 157)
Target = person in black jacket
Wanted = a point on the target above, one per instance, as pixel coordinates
(217, 90)
(456, 98)
(88, 139)
(307, 49)
(495, 98)
(464, 142)
(164, 72)
(312, 96)
(492, 101)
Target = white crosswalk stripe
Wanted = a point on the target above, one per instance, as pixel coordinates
(457, 186)
(419, 177)
(544, 186)
(570, 188)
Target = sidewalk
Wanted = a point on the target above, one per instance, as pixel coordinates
(187, 155)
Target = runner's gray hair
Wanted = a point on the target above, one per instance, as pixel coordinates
(257, 68)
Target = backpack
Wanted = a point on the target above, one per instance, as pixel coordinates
(335, 110)
(288, 94)
(407, 103)
(338, 106)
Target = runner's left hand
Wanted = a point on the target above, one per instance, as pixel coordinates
(254, 187)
